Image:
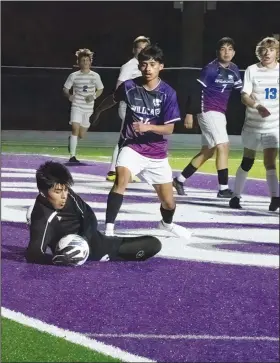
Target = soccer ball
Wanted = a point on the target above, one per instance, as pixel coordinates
(74, 243)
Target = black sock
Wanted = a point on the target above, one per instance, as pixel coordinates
(223, 176)
(114, 203)
(189, 171)
(167, 215)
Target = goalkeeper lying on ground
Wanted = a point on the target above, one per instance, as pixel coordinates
(59, 212)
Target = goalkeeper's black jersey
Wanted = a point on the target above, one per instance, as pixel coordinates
(48, 226)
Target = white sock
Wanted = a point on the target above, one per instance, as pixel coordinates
(181, 178)
(272, 182)
(223, 187)
(73, 145)
(239, 183)
(114, 158)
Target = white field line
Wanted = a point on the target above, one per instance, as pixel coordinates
(72, 337)
(107, 162)
(185, 337)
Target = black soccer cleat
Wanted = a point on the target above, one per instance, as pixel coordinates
(227, 193)
(73, 160)
(234, 203)
(274, 204)
(178, 186)
(69, 144)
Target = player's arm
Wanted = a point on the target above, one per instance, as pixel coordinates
(89, 221)
(67, 86)
(246, 97)
(193, 104)
(170, 114)
(109, 102)
(41, 233)
(157, 129)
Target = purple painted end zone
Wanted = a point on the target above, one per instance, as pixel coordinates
(160, 296)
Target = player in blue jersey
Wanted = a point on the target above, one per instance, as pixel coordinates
(209, 101)
(152, 109)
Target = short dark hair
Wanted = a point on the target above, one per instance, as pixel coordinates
(225, 40)
(151, 52)
(51, 173)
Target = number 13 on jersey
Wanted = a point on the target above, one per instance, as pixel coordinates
(270, 93)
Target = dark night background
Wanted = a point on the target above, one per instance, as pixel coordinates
(48, 34)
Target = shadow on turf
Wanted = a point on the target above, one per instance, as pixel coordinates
(13, 253)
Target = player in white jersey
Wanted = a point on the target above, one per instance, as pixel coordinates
(260, 94)
(129, 70)
(87, 86)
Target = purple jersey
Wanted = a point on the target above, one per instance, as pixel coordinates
(156, 107)
(218, 83)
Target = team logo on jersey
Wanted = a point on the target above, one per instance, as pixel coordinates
(157, 102)
(230, 76)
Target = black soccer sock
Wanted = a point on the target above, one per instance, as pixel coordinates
(114, 203)
(189, 171)
(167, 215)
(223, 176)
(138, 248)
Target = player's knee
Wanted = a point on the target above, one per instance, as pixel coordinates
(247, 164)
(168, 205)
(207, 153)
(150, 247)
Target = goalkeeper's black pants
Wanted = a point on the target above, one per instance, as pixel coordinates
(123, 248)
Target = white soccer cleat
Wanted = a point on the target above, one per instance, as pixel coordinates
(175, 229)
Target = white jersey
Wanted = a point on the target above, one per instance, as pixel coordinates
(129, 70)
(84, 84)
(262, 84)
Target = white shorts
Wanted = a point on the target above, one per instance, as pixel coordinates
(213, 127)
(154, 171)
(80, 116)
(253, 140)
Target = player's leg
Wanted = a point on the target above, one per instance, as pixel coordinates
(76, 118)
(270, 143)
(250, 142)
(140, 248)
(129, 163)
(159, 174)
(222, 152)
(247, 162)
(197, 161)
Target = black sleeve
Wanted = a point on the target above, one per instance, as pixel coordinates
(119, 94)
(40, 235)
(89, 223)
(193, 104)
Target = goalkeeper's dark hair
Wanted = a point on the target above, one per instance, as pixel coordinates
(225, 41)
(151, 52)
(51, 173)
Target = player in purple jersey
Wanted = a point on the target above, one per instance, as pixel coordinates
(152, 109)
(209, 101)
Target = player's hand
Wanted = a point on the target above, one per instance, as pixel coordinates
(188, 122)
(89, 98)
(263, 111)
(140, 127)
(71, 98)
(64, 259)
